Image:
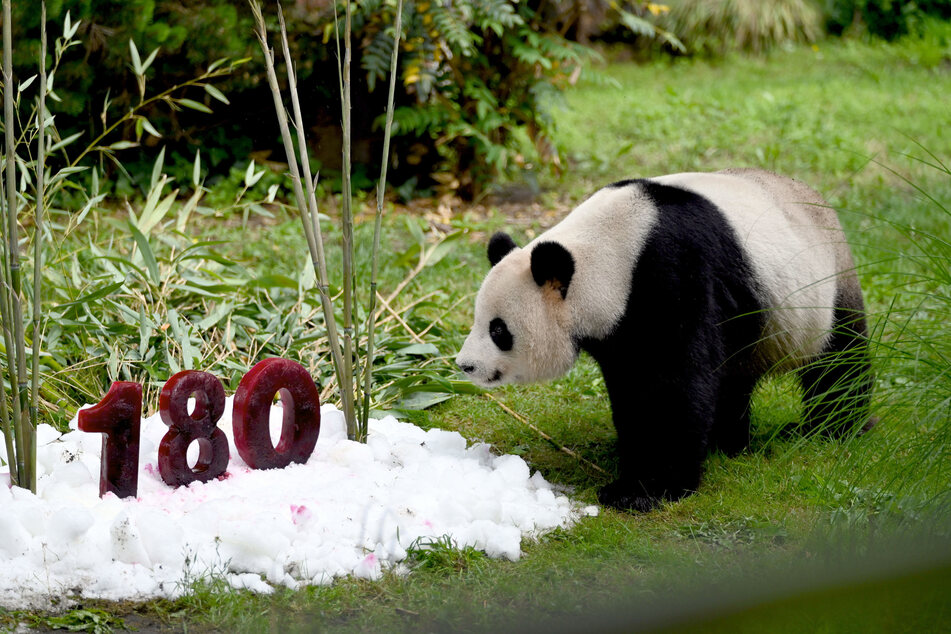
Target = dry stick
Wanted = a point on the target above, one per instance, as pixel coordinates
(315, 248)
(380, 189)
(38, 247)
(438, 320)
(404, 309)
(412, 275)
(17, 356)
(310, 216)
(560, 447)
(396, 316)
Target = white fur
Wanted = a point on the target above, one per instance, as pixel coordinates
(605, 235)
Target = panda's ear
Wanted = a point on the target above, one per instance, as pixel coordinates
(553, 264)
(499, 246)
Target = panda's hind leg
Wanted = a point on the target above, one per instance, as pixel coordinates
(837, 385)
(731, 426)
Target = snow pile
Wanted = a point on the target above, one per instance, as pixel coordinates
(353, 509)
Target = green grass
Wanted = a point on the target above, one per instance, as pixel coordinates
(841, 118)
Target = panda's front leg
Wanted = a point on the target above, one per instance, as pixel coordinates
(663, 420)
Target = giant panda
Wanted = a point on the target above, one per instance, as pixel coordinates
(686, 289)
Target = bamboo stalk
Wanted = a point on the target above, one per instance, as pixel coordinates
(306, 204)
(347, 223)
(378, 223)
(310, 216)
(36, 343)
(11, 435)
(8, 432)
(17, 358)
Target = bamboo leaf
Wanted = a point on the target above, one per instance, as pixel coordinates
(149, 59)
(422, 400)
(147, 255)
(187, 209)
(69, 29)
(273, 281)
(146, 327)
(194, 105)
(217, 94)
(136, 62)
(93, 296)
(215, 64)
(196, 168)
(419, 349)
(26, 83)
(150, 128)
(64, 142)
(157, 168)
(220, 312)
(122, 145)
(249, 179)
(154, 211)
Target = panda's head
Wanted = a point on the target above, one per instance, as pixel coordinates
(523, 316)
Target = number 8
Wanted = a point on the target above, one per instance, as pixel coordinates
(200, 425)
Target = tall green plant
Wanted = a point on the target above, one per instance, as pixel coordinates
(342, 349)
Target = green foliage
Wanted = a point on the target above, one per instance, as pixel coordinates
(713, 27)
(442, 556)
(887, 19)
(758, 517)
(481, 73)
(93, 620)
(478, 80)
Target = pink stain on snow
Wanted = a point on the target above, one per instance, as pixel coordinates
(369, 560)
(300, 513)
(149, 469)
(427, 524)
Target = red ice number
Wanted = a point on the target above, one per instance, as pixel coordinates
(252, 408)
(117, 417)
(201, 425)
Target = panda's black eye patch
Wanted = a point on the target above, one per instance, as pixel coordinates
(500, 334)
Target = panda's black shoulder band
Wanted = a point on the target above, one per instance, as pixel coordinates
(499, 246)
(552, 263)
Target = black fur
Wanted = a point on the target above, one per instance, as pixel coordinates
(838, 384)
(499, 332)
(499, 246)
(678, 367)
(552, 264)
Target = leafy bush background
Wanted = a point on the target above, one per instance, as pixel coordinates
(477, 76)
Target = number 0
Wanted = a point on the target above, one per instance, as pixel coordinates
(251, 414)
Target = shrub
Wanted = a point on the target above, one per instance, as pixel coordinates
(477, 79)
(713, 27)
(887, 19)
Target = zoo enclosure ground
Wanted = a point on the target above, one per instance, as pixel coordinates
(831, 117)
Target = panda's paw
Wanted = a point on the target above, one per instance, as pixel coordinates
(621, 495)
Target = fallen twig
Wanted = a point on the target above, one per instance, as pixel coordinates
(508, 410)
